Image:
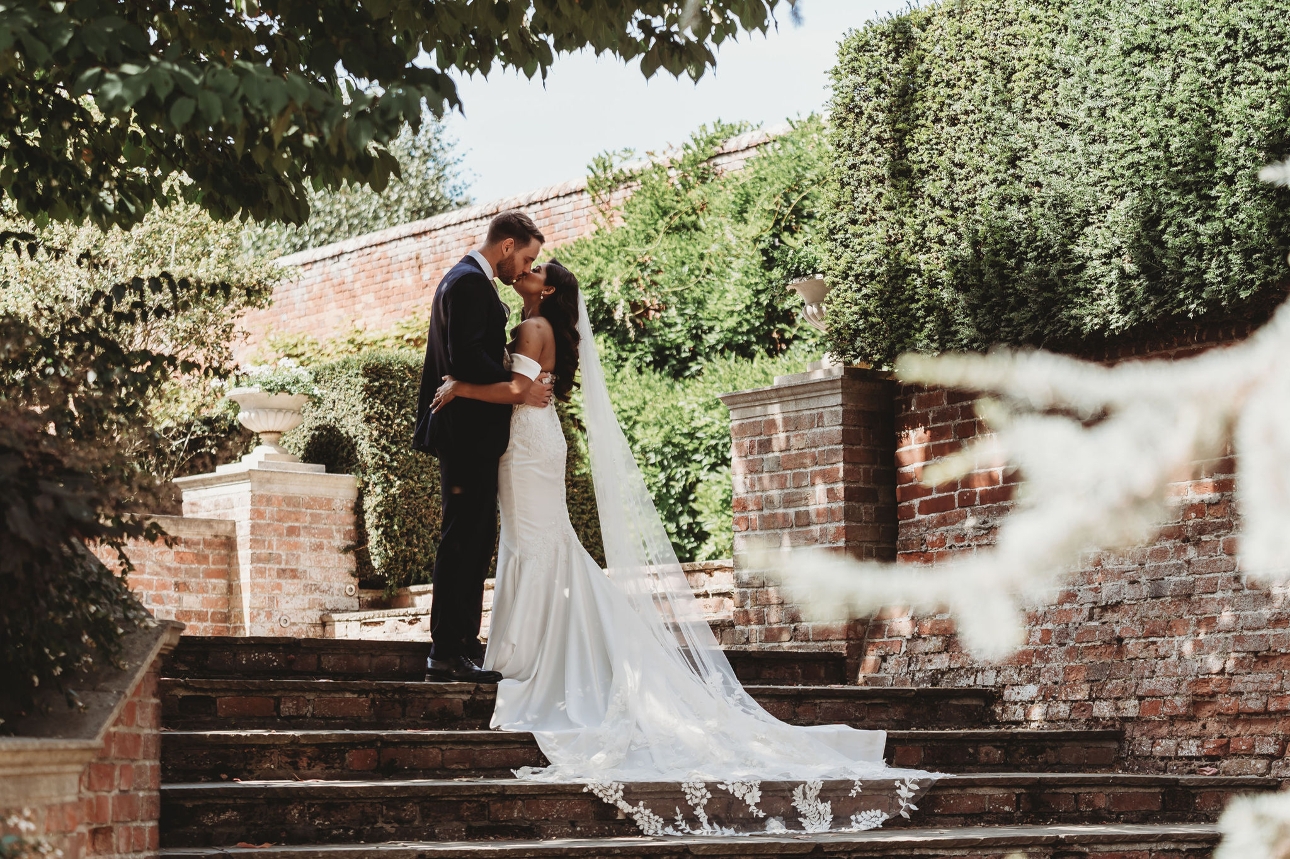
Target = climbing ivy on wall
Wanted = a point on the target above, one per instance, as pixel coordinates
(1044, 171)
(693, 264)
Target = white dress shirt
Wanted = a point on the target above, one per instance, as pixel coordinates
(483, 263)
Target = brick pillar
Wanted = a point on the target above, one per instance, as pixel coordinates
(293, 522)
(813, 460)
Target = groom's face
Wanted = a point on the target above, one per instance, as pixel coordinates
(518, 260)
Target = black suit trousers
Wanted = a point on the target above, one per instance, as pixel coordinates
(466, 545)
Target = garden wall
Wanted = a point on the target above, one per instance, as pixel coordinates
(376, 280)
(1166, 641)
(1168, 637)
(88, 780)
(186, 578)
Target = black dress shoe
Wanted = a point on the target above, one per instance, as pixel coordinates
(459, 669)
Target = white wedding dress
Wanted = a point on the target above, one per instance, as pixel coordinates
(617, 674)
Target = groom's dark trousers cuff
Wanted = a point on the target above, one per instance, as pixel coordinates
(469, 535)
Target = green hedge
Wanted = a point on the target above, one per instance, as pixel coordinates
(361, 423)
(1030, 171)
(680, 434)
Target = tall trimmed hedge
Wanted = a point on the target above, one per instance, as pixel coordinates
(1039, 172)
(361, 423)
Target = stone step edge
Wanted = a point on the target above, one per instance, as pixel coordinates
(253, 642)
(269, 736)
(768, 689)
(879, 841)
(459, 787)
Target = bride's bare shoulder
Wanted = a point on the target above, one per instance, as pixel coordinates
(536, 327)
(534, 336)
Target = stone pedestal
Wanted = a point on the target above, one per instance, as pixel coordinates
(293, 522)
(813, 460)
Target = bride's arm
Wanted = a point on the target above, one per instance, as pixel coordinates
(534, 335)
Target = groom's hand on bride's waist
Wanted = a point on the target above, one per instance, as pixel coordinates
(539, 393)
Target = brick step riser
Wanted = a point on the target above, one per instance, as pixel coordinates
(196, 759)
(423, 706)
(1038, 848)
(339, 659)
(182, 762)
(258, 658)
(302, 818)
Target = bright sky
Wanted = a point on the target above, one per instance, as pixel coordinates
(518, 135)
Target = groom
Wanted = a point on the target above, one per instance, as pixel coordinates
(467, 341)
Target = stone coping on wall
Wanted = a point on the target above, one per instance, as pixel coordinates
(279, 482)
(191, 526)
(479, 211)
(810, 391)
(40, 770)
(51, 746)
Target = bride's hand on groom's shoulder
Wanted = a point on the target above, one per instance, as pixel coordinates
(539, 393)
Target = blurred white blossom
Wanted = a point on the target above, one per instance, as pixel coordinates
(1255, 827)
(1276, 174)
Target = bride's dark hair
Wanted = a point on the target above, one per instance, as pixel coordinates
(561, 310)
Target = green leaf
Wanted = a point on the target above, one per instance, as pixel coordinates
(182, 111)
(210, 106)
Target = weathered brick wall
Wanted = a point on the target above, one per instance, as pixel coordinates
(121, 788)
(291, 529)
(1168, 638)
(185, 578)
(113, 810)
(373, 281)
(812, 461)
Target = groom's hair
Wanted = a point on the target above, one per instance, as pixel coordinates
(514, 225)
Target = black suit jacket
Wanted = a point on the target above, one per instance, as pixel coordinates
(467, 341)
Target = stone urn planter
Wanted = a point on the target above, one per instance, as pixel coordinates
(813, 291)
(269, 416)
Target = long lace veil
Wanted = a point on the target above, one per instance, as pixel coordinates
(638, 553)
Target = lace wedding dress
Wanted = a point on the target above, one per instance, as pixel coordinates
(617, 674)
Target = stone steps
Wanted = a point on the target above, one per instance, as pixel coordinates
(348, 659)
(341, 812)
(219, 703)
(196, 756)
(1095, 841)
(343, 752)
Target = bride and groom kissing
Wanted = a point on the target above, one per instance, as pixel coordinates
(616, 672)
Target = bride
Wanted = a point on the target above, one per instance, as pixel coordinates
(616, 672)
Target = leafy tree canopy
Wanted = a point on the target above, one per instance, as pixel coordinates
(254, 102)
(430, 184)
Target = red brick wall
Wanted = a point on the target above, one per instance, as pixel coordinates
(116, 812)
(121, 788)
(812, 462)
(1168, 638)
(290, 566)
(187, 580)
(373, 281)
